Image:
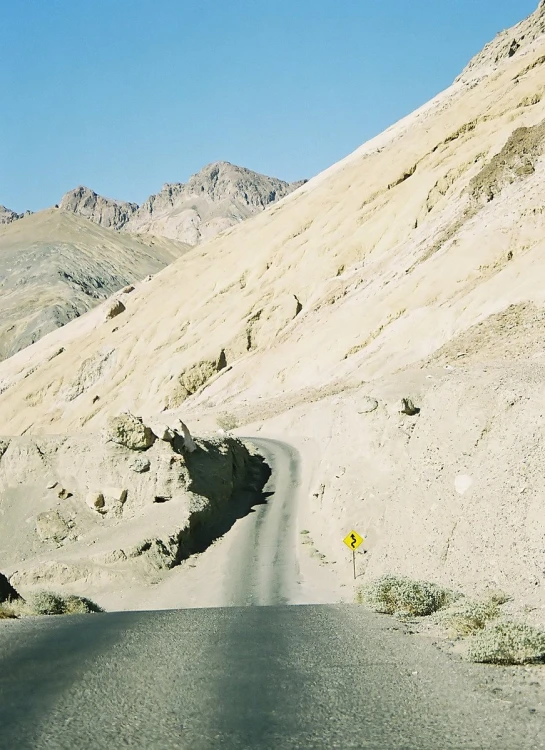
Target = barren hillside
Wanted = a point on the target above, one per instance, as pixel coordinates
(55, 266)
(411, 269)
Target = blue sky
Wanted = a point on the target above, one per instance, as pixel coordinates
(124, 95)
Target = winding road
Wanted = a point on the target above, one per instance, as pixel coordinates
(246, 676)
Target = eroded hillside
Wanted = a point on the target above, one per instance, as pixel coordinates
(54, 267)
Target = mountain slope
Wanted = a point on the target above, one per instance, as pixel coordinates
(216, 198)
(55, 266)
(411, 269)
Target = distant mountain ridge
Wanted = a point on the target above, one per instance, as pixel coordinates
(106, 212)
(216, 198)
(7, 216)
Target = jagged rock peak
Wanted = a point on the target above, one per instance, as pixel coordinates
(7, 215)
(104, 211)
(221, 179)
(212, 200)
(507, 44)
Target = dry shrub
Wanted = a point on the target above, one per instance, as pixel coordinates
(394, 595)
(508, 642)
(468, 617)
(227, 421)
(48, 603)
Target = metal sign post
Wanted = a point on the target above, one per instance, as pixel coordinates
(353, 541)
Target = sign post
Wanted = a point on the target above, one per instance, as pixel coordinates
(353, 541)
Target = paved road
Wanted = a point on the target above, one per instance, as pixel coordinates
(262, 567)
(325, 676)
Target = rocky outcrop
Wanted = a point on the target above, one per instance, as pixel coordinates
(7, 216)
(104, 211)
(506, 45)
(129, 431)
(7, 592)
(138, 513)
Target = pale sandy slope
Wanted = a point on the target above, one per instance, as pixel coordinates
(422, 250)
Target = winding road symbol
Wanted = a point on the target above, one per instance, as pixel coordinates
(353, 540)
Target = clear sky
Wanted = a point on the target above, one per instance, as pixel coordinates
(125, 95)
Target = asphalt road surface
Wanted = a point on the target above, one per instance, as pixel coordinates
(277, 676)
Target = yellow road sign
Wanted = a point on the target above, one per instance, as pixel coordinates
(353, 540)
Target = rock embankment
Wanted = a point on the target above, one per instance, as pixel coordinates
(94, 511)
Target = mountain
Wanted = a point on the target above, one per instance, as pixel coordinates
(55, 266)
(104, 211)
(386, 319)
(216, 198)
(7, 216)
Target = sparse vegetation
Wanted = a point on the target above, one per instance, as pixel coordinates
(469, 617)
(394, 595)
(508, 643)
(48, 603)
(227, 421)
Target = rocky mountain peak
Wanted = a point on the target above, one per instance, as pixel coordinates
(104, 211)
(215, 198)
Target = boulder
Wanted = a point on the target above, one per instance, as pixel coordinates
(115, 494)
(95, 500)
(115, 308)
(140, 464)
(129, 431)
(51, 526)
(7, 592)
(162, 431)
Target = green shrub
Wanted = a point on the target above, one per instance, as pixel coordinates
(508, 643)
(402, 596)
(467, 617)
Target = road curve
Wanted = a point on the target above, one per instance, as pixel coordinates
(262, 568)
(242, 677)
